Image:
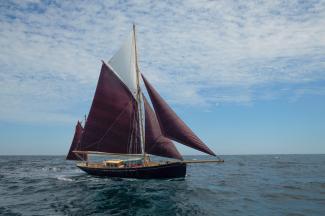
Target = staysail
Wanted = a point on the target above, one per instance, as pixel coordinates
(112, 125)
(156, 143)
(76, 144)
(171, 125)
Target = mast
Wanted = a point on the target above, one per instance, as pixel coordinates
(139, 99)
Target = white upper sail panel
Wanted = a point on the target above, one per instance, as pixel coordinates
(124, 65)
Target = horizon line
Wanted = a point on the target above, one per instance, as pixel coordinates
(253, 154)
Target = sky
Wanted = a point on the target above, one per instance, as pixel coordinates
(247, 76)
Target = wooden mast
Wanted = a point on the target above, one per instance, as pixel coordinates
(140, 111)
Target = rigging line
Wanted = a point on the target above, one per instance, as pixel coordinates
(219, 157)
(140, 112)
(137, 126)
(129, 137)
(83, 159)
(131, 134)
(111, 126)
(136, 129)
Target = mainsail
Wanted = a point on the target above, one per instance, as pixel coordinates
(75, 144)
(156, 143)
(112, 125)
(171, 125)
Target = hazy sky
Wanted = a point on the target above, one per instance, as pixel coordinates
(247, 76)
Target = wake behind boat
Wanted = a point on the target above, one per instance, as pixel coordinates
(121, 122)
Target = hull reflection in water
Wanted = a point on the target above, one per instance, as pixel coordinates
(158, 171)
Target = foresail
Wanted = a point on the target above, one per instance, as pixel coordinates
(111, 125)
(171, 125)
(76, 144)
(156, 143)
(124, 64)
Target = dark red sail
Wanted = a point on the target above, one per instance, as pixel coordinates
(75, 144)
(171, 125)
(111, 124)
(156, 143)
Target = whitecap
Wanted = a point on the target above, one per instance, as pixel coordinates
(62, 178)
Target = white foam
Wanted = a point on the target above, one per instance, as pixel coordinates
(62, 178)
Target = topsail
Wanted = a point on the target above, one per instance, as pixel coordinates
(123, 64)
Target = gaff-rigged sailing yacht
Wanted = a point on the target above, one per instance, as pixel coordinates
(121, 122)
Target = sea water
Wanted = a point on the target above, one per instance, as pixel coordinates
(243, 185)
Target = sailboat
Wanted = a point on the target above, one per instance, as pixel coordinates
(122, 123)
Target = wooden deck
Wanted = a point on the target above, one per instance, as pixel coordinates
(148, 164)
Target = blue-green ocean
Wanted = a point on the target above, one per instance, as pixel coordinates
(243, 185)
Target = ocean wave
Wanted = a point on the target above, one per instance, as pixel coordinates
(249, 185)
(284, 196)
(292, 187)
(64, 178)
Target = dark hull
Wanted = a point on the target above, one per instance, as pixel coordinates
(169, 170)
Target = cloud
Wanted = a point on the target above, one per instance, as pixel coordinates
(197, 53)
